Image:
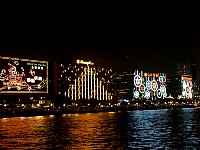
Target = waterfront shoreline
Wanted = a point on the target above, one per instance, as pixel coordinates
(47, 113)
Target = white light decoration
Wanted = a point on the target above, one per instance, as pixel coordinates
(72, 93)
(68, 93)
(19, 88)
(94, 87)
(82, 84)
(136, 94)
(84, 62)
(79, 88)
(149, 85)
(106, 95)
(147, 95)
(154, 85)
(88, 79)
(187, 91)
(85, 79)
(91, 82)
(137, 81)
(159, 93)
(29, 88)
(161, 78)
(39, 86)
(100, 90)
(186, 86)
(97, 88)
(88, 82)
(103, 91)
(163, 89)
(142, 88)
(28, 79)
(183, 93)
(75, 89)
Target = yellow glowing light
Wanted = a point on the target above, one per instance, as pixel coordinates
(84, 62)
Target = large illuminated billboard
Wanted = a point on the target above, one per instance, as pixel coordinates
(186, 85)
(23, 75)
(149, 86)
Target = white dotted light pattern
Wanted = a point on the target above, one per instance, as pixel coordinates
(186, 83)
(149, 85)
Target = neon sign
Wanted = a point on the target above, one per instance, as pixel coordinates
(23, 75)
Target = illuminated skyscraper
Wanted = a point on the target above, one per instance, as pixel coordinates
(184, 84)
(188, 68)
(84, 80)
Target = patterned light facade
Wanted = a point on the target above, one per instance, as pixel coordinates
(23, 75)
(186, 86)
(86, 81)
(149, 86)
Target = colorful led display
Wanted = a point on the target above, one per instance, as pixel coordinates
(149, 85)
(186, 85)
(23, 75)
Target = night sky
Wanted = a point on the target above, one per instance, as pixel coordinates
(148, 47)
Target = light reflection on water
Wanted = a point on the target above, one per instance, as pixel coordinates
(151, 129)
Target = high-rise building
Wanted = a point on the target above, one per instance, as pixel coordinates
(180, 87)
(122, 85)
(83, 80)
(173, 86)
(187, 68)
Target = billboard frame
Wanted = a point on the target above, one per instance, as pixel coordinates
(29, 91)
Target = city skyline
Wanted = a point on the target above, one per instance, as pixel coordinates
(149, 47)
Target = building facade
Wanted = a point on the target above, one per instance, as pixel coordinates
(189, 69)
(122, 85)
(149, 86)
(139, 85)
(173, 86)
(83, 80)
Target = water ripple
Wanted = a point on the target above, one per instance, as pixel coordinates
(150, 129)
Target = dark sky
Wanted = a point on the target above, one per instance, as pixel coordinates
(149, 47)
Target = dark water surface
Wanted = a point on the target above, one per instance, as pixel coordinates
(150, 129)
